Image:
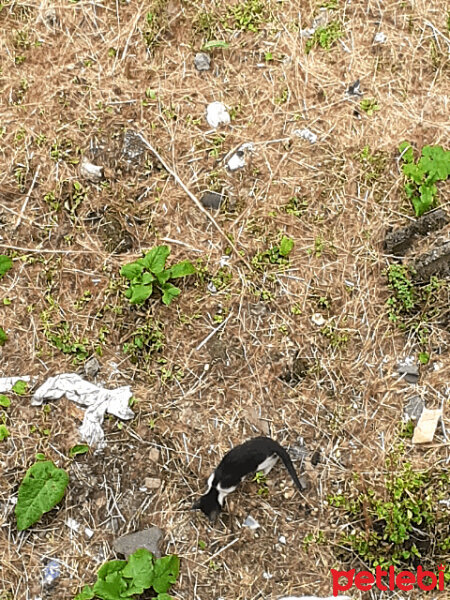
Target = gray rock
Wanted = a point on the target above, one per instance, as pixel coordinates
(202, 61)
(147, 538)
(354, 89)
(91, 367)
(436, 262)
(414, 408)
(212, 200)
(398, 241)
(133, 147)
(409, 370)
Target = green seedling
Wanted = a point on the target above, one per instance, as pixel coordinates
(276, 255)
(41, 489)
(3, 337)
(145, 341)
(4, 432)
(369, 106)
(149, 272)
(325, 37)
(261, 480)
(5, 402)
(20, 387)
(403, 511)
(120, 579)
(78, 449)
(421, 177)
(212, 44)
(5, 264)
(250, 15)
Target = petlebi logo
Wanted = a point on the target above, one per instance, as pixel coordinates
(404, 581)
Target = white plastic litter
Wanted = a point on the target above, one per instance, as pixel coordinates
(307, 135)
(7, 383)
(238, 160)
(98, 401)
(76, 526)
(251, 523)
(217, 114)
(380, 38)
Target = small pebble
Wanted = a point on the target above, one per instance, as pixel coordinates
(202, 61)
(152, 483)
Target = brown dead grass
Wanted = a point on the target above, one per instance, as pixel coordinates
(63, 88)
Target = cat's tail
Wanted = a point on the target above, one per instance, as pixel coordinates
(283, 454)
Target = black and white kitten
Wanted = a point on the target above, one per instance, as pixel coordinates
(258, 454)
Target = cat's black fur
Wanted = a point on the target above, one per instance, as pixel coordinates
(257, 454)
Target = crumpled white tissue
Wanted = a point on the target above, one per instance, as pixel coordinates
(217, 114)
(98, 401)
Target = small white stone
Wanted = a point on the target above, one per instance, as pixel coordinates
(318, 319)
(306, 134)
(251, 523)
(282, 539)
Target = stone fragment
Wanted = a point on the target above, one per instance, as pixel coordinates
(202, 61)
(212, 200)
(426, 426)
(146, 538)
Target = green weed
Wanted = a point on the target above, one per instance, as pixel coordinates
(129, 578)
(145, 341)
(369, 106)
(325, 37)
(261, 481)
(276, 255)
(421, 177)
(250, 15)
(400, 522)
(296, 206)
(149, 273)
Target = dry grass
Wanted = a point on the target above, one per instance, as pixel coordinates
(74, 78)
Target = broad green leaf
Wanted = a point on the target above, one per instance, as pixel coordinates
(20, 387)
(5, 402)
(435, 161)
(140, 570)
(3, 337)
(286, 246)
(410, 189)
(41, 489)
(408, 152)
(163, 276)
(140, 293)
(183, 268)
(40, 456)
(4, 433)
(112, 587)
(147, 278)
(111, 566)
(169, 293)
(164, 596)
(5, 264)
(87, 593)
(78, 449)
(131, 270)
(414, 172)
(165, 573)
(156, 258)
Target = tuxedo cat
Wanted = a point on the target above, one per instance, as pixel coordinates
(257, 454)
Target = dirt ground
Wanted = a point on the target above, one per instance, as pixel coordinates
(305, 351)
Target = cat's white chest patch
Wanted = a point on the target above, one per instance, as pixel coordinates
(267, 464)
